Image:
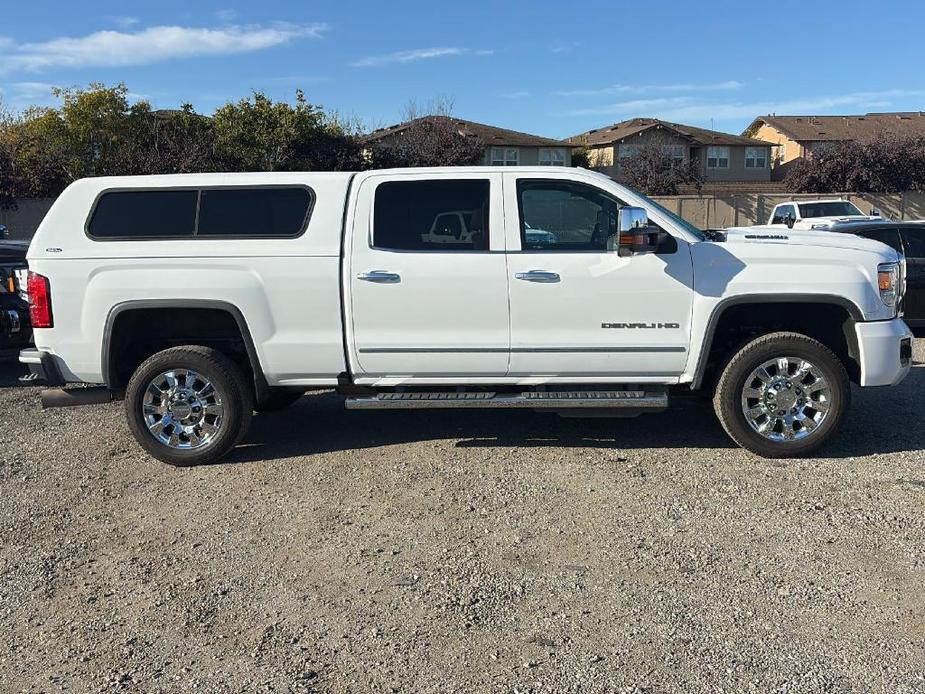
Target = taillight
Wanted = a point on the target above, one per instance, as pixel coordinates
(39, 301)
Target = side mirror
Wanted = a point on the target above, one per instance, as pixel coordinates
(636, 236)
(4, 232)
(789, 220)
(874, 212)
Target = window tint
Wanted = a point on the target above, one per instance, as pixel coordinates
(828, 209)
(781, 213)
(448, 215)
(144, 214)
(915, 242)
(888, 236)
(563, 216)
(253, 211)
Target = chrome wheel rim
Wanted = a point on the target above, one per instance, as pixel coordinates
(786, 399)
(182, 409)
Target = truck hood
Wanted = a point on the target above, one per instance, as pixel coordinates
(830, 221)
(804, 237)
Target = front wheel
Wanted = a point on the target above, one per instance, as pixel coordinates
(188, 405)
(783, 395)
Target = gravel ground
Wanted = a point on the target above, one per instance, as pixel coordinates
(451, 552)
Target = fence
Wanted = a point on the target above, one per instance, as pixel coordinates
(708, 211)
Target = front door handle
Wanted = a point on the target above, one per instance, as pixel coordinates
(537, 276)
(379, 277)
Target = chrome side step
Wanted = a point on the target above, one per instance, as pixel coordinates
(535, 400)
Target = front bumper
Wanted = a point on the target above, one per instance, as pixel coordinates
(884, 352)
(42, 368)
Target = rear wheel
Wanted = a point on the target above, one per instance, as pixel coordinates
(783, 395)
(188, 405)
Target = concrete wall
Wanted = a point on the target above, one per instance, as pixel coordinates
(745, 209)
(24, 219)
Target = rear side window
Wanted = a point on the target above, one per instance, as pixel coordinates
(265, 212)
(446, 215)
(144, 214)
(253, 211)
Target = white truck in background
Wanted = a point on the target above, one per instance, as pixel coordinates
(819, 215)
(200, 298)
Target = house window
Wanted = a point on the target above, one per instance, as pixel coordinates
(676, 152)
(629, 151)
(501, 156)
(552, 157)
(717, 157)
(756, 158)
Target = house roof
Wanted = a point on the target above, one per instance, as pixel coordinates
(620, 131)
(828, 128)
(489, 134)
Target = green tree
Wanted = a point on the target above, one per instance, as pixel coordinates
(257, 134)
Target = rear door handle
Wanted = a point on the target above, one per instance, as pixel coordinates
(379, 277)
(537, 276)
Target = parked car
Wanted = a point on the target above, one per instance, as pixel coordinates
(15, 329)
(202, 297)
(907, 238)
(820, 215)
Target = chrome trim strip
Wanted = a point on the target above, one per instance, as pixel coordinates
(516, 350)
(652, 401)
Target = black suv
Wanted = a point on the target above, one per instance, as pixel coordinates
(15, 329)
(909, 239)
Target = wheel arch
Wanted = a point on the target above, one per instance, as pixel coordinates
(123, 309)
(852, 312)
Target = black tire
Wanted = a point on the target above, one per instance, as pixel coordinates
(231, 384)
(728, 397)
(278, 398)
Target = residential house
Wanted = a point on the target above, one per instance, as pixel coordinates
(719, 156)
(796, 137)
(502, 147)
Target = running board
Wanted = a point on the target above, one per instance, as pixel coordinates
(534, 400)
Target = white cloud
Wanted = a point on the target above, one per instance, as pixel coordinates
(151, 45)
(123, 21)
(690, 110)
(408, 56)
(728, 85)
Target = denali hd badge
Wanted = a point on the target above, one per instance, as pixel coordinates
(644, 326)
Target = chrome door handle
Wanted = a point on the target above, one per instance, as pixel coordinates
(537, 276)
(379, 277)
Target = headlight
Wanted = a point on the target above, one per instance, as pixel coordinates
(888, 282)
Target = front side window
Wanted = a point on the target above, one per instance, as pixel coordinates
(781, 213)
(562, 216)
(505, 156)
(434, 215)
(552, 157)
(138, 214)
(915, 242)
(888, 236)
(756, 158)
(717, 157)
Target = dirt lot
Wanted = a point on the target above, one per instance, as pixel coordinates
(446, 552)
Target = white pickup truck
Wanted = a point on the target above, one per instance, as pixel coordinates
(200, 298)
(819, 215)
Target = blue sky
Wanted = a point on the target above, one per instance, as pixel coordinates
(551, 68)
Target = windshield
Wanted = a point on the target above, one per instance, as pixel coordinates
(838, 208)
(680, 221)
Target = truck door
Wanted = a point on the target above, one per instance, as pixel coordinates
(580, 310)
(422, 307)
